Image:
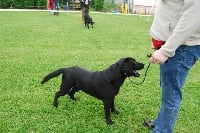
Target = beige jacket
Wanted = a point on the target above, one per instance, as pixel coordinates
(178, 23)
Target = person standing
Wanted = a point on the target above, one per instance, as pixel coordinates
(82, 10)
(176, 39)
(56, 7)
(50, 5)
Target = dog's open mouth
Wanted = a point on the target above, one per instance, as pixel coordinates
(136, 73)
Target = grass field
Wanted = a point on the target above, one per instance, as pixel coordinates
(33, 44)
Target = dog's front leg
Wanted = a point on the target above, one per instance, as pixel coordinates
(107, 105)
(113, 109)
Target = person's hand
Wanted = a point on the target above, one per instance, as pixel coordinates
(158, 57)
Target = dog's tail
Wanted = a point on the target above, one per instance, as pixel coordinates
(52, 75)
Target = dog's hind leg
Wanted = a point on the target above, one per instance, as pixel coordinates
(107, 106)
(63, 91)
(72, 92)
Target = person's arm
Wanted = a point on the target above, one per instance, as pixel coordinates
(188, 24)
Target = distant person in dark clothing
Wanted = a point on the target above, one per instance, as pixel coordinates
(56, 7)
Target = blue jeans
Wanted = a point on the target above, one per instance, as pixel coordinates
(56, 6)
(172, 78)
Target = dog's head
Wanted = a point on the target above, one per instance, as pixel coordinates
(130, 67)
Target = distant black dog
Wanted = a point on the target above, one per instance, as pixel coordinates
(88, 19)
(103, 85)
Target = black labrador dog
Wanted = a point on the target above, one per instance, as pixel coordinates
(103, 85)
(88, 20)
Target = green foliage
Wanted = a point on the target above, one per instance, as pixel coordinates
(97, 4)
(22, 3)
(109, 7)
(42, 3)
(6, 3)
(33, 44)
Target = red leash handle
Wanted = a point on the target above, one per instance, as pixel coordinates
(157, 43)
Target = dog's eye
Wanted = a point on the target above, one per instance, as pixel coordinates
(133, 64)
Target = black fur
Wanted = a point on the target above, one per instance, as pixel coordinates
(88, 19)
(103, 85)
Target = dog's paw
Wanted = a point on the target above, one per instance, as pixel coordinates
(74, 98)
(109, 122)
(55, 104)
(115, 111)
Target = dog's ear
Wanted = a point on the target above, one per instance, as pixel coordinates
(127, 59)
(113, 73)
(123, 61)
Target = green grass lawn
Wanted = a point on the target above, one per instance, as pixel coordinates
(33, 44)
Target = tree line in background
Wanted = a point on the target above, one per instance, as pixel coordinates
(23, 3)
(42, 4)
